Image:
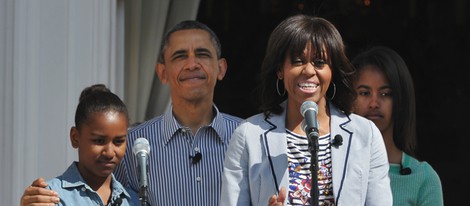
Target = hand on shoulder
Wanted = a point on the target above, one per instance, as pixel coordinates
(37, 193)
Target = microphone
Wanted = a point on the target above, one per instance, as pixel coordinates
(141, 151)
(309, 110)
(404, 171)
(118, 201)
(337, 141)
(196, 158)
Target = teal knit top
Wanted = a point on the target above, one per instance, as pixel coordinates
(421, 187)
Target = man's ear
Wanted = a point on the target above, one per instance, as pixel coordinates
(222, 68)
(74, 137)
(160, 68)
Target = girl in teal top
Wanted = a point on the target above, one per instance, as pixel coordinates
(420, 185)
(385, 95)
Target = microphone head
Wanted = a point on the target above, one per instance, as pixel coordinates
(141, 145)
(308, 105)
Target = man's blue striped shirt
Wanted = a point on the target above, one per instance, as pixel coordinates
(173, 178)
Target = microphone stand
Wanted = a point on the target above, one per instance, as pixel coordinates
(312, 136)
(141, 150)
(143, 196)
(143, 179)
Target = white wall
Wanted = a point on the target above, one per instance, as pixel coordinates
(49, 51)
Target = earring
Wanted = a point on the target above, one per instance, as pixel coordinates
(334, 91)
(277, 88)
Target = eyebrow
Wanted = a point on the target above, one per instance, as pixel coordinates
(197, 50)
(362, 86)
(178, 52)
(203, 50)
(98, 134)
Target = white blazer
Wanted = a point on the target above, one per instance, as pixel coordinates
(255, 166)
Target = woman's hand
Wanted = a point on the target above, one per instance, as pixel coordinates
(278, 200)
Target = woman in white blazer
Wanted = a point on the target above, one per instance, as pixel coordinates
(268, 159)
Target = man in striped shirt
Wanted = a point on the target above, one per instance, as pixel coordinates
(188, 142)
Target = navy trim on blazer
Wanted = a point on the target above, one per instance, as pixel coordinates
(345, 162)
(346, 159)
(269, 155)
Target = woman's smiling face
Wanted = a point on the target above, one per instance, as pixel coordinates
(306, 77)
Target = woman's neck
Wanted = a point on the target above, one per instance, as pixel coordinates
(294, 118)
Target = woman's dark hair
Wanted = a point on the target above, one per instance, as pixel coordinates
(401, 83)
(186, 25)
(97, 98)
(289, 39)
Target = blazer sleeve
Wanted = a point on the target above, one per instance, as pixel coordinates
(235, 185)
(378, 192)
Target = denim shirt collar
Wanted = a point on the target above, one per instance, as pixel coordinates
(72, 179)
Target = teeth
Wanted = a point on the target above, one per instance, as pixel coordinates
(308, 85)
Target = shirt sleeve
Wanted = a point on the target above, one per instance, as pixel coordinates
(430, 193)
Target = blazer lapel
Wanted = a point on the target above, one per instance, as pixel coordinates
(276, 149)
(339, 154)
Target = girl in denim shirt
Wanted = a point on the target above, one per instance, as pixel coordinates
(99, 134)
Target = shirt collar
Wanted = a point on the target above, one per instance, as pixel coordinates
(172, 126)
(72, 178)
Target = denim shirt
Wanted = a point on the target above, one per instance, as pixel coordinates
(73, 190)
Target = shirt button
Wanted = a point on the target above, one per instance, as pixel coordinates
(198, 179)
(197, 149)
(185, 130)
(83, 189)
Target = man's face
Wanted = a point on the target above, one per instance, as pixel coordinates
(191, 66)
